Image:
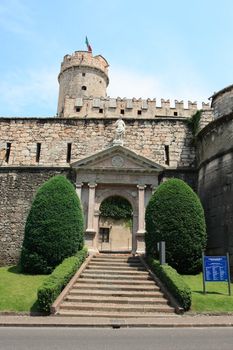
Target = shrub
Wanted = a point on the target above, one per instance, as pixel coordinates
(59, 278)
(116, 207)
(175, 215)
(54, 227)
(174, 283)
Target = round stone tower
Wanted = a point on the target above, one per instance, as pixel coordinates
(222, 102)
(215, 174)
(82, 75)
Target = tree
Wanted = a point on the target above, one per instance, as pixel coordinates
(175, 215)
(54, 227)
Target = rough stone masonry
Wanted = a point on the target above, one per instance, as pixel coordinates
(80, 138)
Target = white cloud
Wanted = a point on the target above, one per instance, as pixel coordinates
(126, 83)
(33, 91)
(15, 17)
(180, 86)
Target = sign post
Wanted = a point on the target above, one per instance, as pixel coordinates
(162, 252)
(216, 269)
(229, 277)
(203, 274)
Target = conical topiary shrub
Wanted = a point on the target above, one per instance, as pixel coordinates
(175, 215)
(54, 227)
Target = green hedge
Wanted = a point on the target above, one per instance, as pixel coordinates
(175, 215)
(173, 281)
(54, 227)
(59, 278)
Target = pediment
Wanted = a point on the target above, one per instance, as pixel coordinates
(117, 158)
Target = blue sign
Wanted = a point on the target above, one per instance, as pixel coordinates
(216, 269)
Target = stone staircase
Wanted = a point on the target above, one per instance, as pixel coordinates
(115, 286)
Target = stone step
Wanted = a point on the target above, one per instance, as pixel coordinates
(105, 286)
(116, 299)
(114, 314)
(116, 268)
(116, 255)
(102, 272)
(115, 281)
(115, 307)
(115, 277)
(115, 286)
(111, 293)
(115, 259)
(114, 263)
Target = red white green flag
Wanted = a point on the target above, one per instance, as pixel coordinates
(88, 45)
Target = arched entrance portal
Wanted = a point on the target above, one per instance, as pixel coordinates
(115, 171)
(115, 224)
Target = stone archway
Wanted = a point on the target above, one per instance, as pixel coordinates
(115, 225)
(115, 171)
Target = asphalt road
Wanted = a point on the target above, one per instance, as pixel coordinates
(116, 339)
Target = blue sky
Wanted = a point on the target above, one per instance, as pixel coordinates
(165, 49)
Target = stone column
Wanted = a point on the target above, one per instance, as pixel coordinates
(141, 209)
(79, 189)
(140, 235)
(91, 207)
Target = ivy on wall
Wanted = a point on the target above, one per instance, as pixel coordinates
(194, 124)
(116, 207)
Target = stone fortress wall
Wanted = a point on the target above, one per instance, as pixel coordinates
(34, 149)
(81, 107)
(165, 141)
(17, 188)
(215, 180)
(157, 132)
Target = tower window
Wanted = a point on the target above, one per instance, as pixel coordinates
(175, 113)
(8, 151)
(84, 87)
(139, 112)
(77, 109)
(101, 110)
(122, 111)
(68, 153)
(167, 157)
(38, 150)
(83, 74)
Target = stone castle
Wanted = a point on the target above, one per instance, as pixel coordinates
(116, 147)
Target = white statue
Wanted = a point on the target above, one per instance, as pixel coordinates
(119, 132)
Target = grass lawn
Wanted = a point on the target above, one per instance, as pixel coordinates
(215, 300)
(18, 291)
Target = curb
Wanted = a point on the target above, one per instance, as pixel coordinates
(83, 322)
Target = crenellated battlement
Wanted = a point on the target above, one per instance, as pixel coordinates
(83, 82)
(84, 58)
(129, 108)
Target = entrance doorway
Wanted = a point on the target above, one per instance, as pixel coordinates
(115, 225)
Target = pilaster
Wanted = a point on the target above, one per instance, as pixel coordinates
(140, 235)
(79, 189)
(91, 207)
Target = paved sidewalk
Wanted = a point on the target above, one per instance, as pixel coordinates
(175, 321)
